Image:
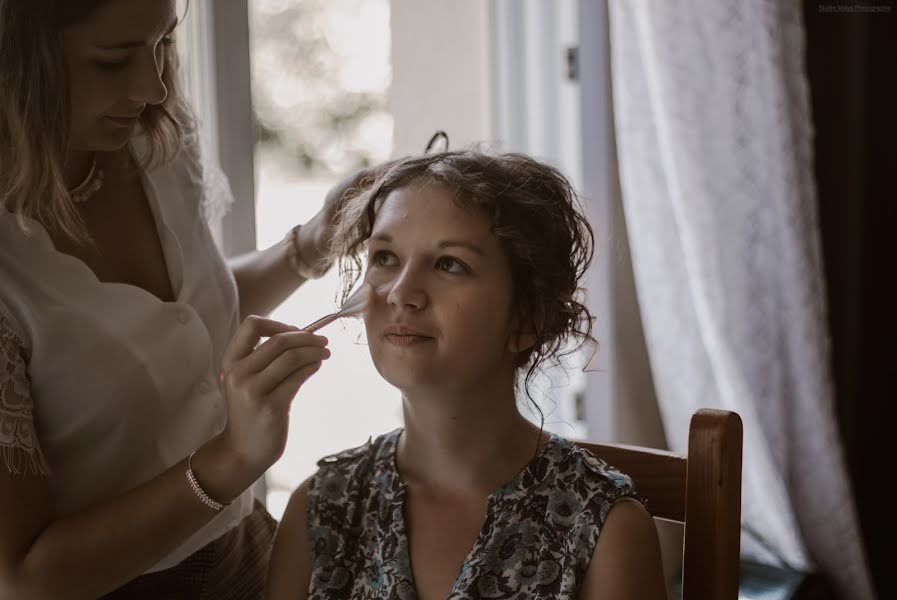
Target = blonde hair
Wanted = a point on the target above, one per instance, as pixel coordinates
(35, 111)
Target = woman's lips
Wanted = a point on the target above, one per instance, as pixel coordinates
(406, 340)
(405, 336)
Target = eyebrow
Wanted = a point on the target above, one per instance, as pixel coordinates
(461, 244)
(140, 44)
(383, 237)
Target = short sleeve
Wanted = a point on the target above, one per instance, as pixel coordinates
(19, 449)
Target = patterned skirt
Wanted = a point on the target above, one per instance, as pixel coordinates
(233, 567)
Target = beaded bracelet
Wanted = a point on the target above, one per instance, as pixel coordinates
(197, 489)
(294, 258)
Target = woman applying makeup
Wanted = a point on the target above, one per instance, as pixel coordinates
(137, 404)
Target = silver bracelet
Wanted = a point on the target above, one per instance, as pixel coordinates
(197, 489)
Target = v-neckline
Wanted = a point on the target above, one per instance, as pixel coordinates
(172, 255)
(493, 501)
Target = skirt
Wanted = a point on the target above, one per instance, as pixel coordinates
(233, 567)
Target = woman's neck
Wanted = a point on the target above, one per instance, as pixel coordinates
(471, 442)
(77, 167)
(79, 162)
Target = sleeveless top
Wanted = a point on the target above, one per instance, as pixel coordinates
(536, 542)
(104, 386)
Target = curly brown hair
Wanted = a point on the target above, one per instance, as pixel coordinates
(536, 215)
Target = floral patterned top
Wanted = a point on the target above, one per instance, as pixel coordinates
(536, 542)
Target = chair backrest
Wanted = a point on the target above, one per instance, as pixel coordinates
(701, 490)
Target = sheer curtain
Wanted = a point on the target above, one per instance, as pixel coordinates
(714, 140)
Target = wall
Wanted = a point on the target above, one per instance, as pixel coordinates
(440, 72)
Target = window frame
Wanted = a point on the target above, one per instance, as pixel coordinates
(216, 65)
(550, 60)
(603, 200)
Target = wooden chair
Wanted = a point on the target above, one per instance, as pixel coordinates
(702, 491)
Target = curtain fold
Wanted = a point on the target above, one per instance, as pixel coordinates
(714, 137)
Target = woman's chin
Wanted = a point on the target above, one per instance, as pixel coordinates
(108, 136)
(115, 140)
(104, 143)
(403, 382)
(407, 380)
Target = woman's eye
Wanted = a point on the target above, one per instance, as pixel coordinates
(383, 259)
(451, 265)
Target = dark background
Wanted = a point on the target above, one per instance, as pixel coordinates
(852, 67)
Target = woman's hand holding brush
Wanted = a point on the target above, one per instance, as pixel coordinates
(354, 306)
(261, 379)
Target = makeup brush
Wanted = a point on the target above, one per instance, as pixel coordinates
(352, 307)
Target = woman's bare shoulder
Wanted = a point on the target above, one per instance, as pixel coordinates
(289, 571)
(626, 562)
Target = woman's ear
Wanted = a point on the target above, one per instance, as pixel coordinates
(519, 340)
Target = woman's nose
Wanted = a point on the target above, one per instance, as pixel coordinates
(407, 291)
(146, 85)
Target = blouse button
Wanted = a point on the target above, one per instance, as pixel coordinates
(183, 317)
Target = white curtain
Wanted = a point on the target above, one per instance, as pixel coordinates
(714, 137)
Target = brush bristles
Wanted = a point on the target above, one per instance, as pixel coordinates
(357, 302)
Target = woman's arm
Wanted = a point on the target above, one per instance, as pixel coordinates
(94, 551)
(626, 562)
(265, 278)
(289, 572)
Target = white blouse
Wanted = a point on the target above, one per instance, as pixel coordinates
(102, 385)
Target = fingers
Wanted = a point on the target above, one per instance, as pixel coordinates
(288, 363)
(248, 335)
(265, 354)
(286, 390)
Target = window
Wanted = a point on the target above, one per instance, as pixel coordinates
(320, 77)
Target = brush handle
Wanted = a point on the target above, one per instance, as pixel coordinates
(326, 320)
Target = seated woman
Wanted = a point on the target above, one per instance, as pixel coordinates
(474, 262)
